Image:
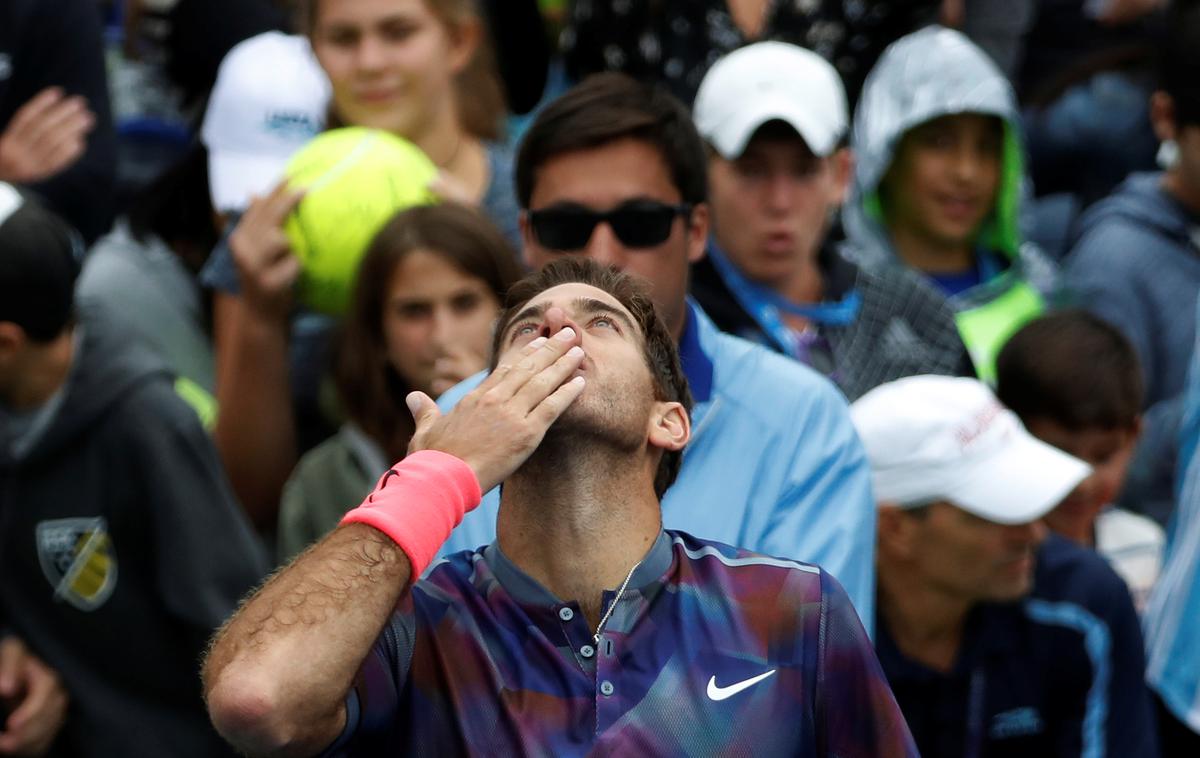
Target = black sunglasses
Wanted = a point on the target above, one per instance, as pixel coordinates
(636, 223)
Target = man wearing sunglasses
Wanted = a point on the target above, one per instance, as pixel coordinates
(614, 171)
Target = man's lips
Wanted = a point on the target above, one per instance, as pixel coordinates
(779, 243)
(960, 208)
(1019, 563)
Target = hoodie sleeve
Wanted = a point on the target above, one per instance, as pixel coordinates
(207, 558)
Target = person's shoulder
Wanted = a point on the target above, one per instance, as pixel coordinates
(734, 570)
(450, 397)
(455, 577)
(1138, 203)
(332, 461)
(761, 378)
(1139, 213)
(1070, 573)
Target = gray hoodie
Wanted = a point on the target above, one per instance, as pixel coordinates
(923, 76)
(1136, 264)
(122, 550)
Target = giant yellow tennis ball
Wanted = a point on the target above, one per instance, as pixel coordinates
(355, 180)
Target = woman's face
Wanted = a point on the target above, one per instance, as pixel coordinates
(437, 322)
(392, 63)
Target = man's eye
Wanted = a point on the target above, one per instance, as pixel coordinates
(524, 330)
(414, 311)
(751, 170)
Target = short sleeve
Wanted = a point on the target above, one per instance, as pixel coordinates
(372, 703)
(857, 715)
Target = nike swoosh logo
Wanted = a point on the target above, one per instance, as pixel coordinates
(720, 693)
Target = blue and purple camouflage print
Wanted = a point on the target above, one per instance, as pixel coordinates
(711, 650)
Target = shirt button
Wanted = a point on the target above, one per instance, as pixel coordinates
(606, 688)
(566, 614)
(587, 651)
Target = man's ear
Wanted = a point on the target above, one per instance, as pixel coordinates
(12, 339)
(842, 165)
(670, 427)
(697, 239)
(1162, 116)
(897, 531)
(1137, 426)
(527, 240)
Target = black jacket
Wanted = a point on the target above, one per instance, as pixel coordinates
(122, 549)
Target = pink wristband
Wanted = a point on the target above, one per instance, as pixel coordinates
(418, 502)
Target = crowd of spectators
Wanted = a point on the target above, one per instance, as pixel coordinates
(930, 271)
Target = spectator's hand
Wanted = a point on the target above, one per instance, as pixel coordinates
(34, 698)
(502, 421)
(266, 266)
(45, 136)
(1120, 12)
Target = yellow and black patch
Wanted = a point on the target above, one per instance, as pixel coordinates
(78, 560)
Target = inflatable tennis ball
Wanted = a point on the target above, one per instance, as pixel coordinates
(355, 179)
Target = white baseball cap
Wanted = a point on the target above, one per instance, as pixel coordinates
(932, 438)
(764, 82)
(269, 100)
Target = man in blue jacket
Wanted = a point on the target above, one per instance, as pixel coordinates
(615, 171)
(1135, 264)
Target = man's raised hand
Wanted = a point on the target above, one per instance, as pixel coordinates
(496, 427)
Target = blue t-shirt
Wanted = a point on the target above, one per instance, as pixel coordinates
(987, 264)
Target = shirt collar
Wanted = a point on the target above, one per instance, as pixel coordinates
(528, 591)
(697, 366)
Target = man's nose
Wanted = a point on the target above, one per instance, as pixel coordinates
(781, 191)
(1027, 534)
(605, 248)
(554, 321)
(968, 162)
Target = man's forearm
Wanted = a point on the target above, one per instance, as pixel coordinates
(277, 674)
(255, 431)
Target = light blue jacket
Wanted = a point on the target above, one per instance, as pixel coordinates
(774, 464)
(1172, 652)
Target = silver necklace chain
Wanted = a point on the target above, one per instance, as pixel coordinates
(613, 604)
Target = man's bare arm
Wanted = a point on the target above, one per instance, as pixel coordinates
(270, 689)
(277, 674)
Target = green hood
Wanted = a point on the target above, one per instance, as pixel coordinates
(928, 74)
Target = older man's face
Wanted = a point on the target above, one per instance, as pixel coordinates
(969, 558)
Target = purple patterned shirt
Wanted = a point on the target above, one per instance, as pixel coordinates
(711, 650)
